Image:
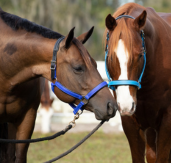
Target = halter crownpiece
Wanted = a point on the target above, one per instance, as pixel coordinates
(53, 62)
(112, 83)
(83, 99)
(124, 16)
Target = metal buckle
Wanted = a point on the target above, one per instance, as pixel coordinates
(52, 68)
(144, 50)
(84, 100)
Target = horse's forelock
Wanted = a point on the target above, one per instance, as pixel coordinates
(121, 32)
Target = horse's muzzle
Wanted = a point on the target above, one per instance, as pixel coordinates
(111, 111)
(127, 112)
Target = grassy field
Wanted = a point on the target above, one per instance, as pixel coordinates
(99, 148)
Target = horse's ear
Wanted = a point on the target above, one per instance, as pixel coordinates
(69, 38)
(140, 21)
(110, 22)
(85, 36)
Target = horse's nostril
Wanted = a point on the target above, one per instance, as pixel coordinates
(110, 109)
(116, 108)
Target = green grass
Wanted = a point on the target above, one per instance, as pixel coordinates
(99, 148)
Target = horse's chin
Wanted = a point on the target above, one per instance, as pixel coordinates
(127, 112)
(99, 116)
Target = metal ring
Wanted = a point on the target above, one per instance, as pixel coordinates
(84, 100)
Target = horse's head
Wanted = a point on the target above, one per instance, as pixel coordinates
(125, 58)
(77, 71)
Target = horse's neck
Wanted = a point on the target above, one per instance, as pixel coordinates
(157, 33)
(157, 43)
(24, 56)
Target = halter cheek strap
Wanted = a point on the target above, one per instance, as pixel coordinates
(113, 83)
(83, 99)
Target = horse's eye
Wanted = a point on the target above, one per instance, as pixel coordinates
(140, 55)
(78, 69)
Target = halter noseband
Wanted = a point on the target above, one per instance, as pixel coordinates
(83, 99)
(112, 83)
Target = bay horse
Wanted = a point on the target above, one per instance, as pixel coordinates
(26, 51)
(45, 109)
(145, 112)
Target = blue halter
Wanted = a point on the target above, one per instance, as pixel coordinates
(112, 83)
(83, 99)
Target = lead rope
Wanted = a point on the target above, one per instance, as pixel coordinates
(77, 145)
(72, 124)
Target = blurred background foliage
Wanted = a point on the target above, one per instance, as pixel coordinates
(62, 15)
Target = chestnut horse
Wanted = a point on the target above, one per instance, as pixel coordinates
(26, 51)
(145, 113)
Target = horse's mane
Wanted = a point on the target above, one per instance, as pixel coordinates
(122, 29)
(16, 23)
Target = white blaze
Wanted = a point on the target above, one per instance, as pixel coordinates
(124, 99)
